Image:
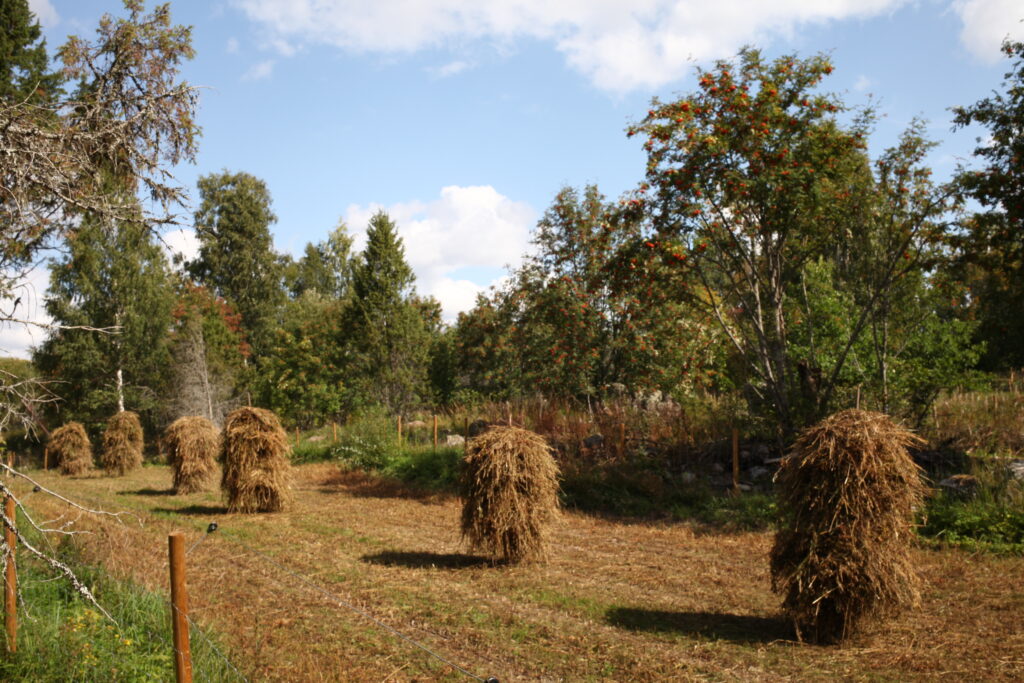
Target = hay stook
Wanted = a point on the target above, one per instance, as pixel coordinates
(191, 444)
(509, 487)
(847, 495)
(254, 449)
(122, 444)
(70, 445)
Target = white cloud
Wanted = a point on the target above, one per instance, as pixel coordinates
(466, 227)
(182, 242)
(232, 46)
(259, 71)
(18, 338)
(618, 45)
(987, 23)
(44, 12)
(863, 83)
(449, 69)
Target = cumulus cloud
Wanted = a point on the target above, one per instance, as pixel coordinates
(258, 72)
(232, 46)
(863, 83)
(465, 228)
(44, 12)
(182, 243)
(18, 338)
(449, 69)
(618, 45)
(987, 23)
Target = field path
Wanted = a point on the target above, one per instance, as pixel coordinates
(616, 601)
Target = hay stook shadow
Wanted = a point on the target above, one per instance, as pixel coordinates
(195, 510)
(147, 492)
(737, 628)
(428, 560)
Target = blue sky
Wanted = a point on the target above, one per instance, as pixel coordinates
(463, 118)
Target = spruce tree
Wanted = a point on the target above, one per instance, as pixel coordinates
(23, 59)
(387, 338)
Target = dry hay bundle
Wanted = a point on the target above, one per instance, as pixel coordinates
(122, 444)
(191, 444)
(847, 495)
(256, 470)
(70, 445)
(510, 492)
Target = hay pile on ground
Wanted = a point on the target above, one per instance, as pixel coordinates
(510, 493)
(122, 444)
(256, 470)
(847, 495)
(191, 444)
(70, 445)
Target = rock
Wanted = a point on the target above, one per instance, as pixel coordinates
(965, 485)
(315, 438)
(1016, 469)
(593, 442)
(757, 473)
(454, 440)
(717, 467)
(416, 424)
(478, 427)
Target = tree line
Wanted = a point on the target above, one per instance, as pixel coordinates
(764, 253)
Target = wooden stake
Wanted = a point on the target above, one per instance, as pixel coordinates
(46, 459)
(399, 430)
(858, 397)
(435, 432)
(179, 608)
(735, 460)
(297, 438)
(334, 426)
(622, 439)
(10, 580)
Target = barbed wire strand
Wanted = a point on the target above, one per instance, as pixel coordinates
(331, 596)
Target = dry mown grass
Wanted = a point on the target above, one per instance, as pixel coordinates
(616, 601)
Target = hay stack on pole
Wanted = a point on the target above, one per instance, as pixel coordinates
(122, 444)
(847, 495)
(254, 452)
(192, 444)
(510, 493)
(70, 445)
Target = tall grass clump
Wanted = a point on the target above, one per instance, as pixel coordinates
(122, 444)
(846, 495)
(70, 445)
(254, 453)
(191, 444)
(509, 488)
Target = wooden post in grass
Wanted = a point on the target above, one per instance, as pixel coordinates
(297, 437)
(858, 397)
(435, 432)
(10, 580)
(46, 459)
(179, 608)
(735, 460)
(399, 431)
(622, 439)
(334, 428)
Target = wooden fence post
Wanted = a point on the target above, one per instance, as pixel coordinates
(735, 460)
(10, 580)
(399, 431)
(435, 432)
(179, 608)
(297, 437)
(46, 459)
(334, 426)
(622, 439)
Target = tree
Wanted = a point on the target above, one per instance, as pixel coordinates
(992, 246)
(236, 257)
(24, 74)
(116, 281)
(384, 332)
(751, 179)
(325, 268)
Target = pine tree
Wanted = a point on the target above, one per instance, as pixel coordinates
(387, 338)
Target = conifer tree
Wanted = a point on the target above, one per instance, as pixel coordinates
(24, 74)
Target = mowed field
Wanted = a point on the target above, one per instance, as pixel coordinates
(616, 600)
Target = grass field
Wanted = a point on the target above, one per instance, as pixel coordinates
(616, 601)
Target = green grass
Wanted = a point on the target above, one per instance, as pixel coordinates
(62, 637)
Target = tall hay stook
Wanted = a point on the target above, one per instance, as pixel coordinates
(847, 494)
(254, 450)
(509, 487)
(70, 445)
(122, 444)
(192, 444)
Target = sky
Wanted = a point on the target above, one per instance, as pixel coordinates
(463, 118)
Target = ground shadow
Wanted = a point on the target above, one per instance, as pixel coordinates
(195, 510)
(425, 560)
(738, 628)
(147, 492)
(362, 485)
